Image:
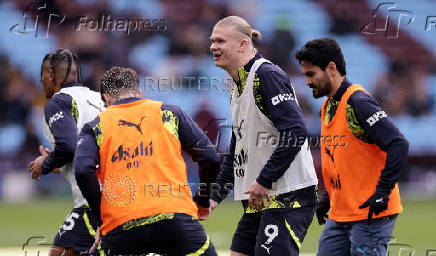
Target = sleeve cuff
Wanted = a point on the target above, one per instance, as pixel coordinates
(217, 198)
(264, 182)
(45, 168)
(202, 201)
(384, 189)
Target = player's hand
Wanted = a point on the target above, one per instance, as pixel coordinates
(322, 208)
(377, 203)
(37, 171)
(96, 242)
(257, 196)
(44, 151)
(203, 213)
(213, 204)
(35, 167)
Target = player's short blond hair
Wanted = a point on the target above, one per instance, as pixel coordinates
(241, 25)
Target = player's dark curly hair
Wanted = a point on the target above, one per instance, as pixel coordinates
(320, 52)
(61, 56)
(119, 80)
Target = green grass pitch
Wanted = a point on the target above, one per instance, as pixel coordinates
(416, 226)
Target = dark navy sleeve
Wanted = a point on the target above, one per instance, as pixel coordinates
(63, 126)
(382, 132)
(284, 112)
(226, 178)
(202, 151)
(86, 163)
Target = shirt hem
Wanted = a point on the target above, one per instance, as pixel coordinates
(280, 191)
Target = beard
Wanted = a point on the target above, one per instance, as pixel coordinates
(322, 89)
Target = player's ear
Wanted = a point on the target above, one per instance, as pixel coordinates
(107, 99)
(51, 75)
(139, 94)
(243, 44)
(331, 68)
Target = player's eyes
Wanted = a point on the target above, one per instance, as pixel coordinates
(219, 41)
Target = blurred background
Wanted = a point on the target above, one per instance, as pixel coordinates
(395, 63)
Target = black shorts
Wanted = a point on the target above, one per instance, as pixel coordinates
(273, 231)
(170, 234)
(78, 230)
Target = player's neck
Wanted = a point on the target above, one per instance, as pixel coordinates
(336, 84)
(68, 81)
(241, 63)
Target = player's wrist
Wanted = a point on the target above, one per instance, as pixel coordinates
(202, 201)
(264, 182)
(45, 168)
(382, 190)
(217, 198)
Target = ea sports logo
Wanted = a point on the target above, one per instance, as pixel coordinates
(281, 97)
(119, 190)
(375, 117)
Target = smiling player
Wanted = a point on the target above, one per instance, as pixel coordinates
(263, 104)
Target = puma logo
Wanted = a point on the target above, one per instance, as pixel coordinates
(61, 232)
(127, 123)
(380, 200)
(266, 248)
(330, 154)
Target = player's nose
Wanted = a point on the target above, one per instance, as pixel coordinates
(308, 81)
(213, 47)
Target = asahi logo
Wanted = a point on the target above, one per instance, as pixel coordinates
(133, 156)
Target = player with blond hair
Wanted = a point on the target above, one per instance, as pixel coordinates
(276, 182)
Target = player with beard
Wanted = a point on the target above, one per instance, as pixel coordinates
(360, 176)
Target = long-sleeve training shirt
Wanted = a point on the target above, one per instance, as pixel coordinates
(359, 110)
(269, 82)
(191, 137)
(60, 116)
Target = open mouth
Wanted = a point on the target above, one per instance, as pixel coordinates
(216, 56)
